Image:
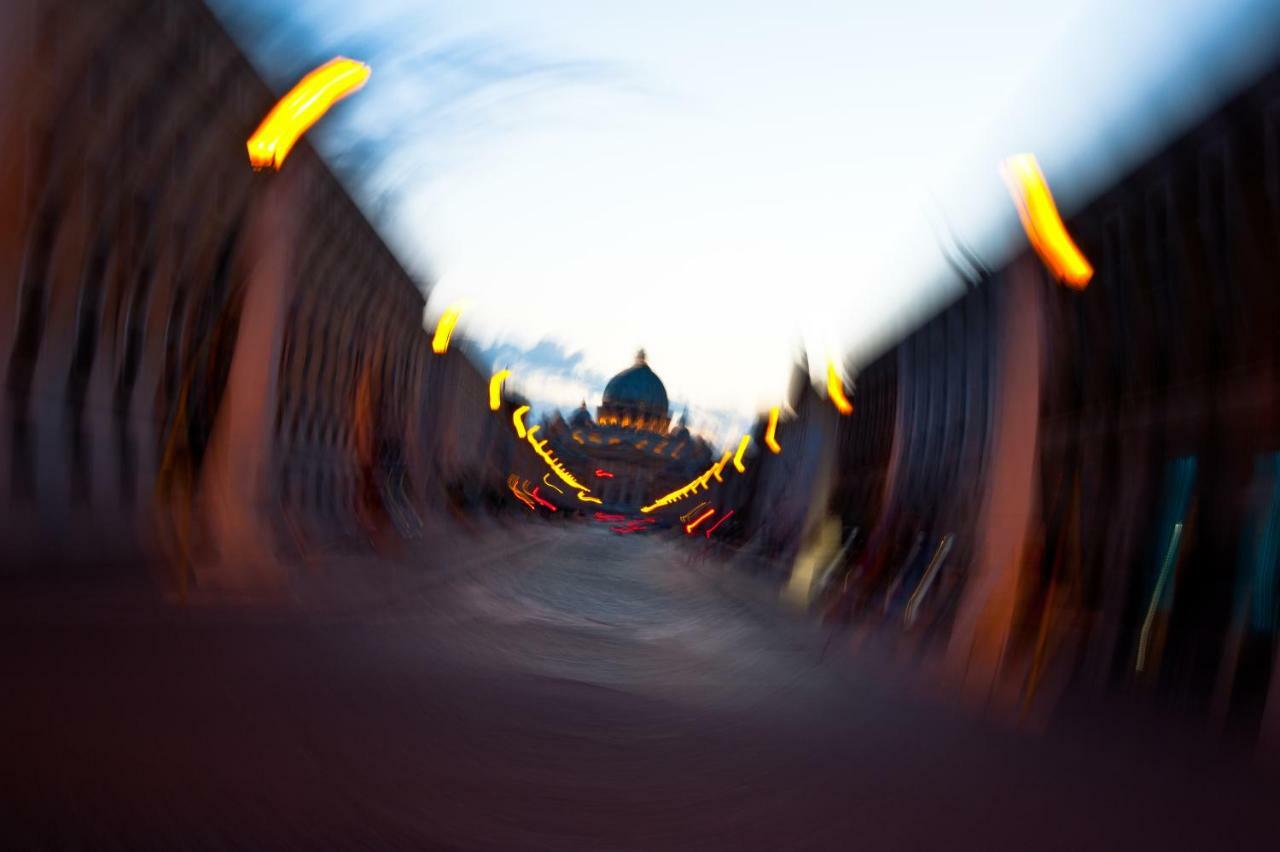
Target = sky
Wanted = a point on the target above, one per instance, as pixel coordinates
(729, 183)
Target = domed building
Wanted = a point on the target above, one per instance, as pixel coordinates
(628, 454)
(635, 398)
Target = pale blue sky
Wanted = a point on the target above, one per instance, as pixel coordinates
(727, 182)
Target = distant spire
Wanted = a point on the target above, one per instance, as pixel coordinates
(640, 357)
(684, 417)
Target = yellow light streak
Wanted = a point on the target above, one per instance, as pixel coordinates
(517, 418)
(737, 457)
(495, 389)
(1040, 219)
(539, 447)
(586, 498)
(302, 107)
(551, 485)
(695, 510)
(444, 330)
(692, 487)
(771, 433)
(835, 389)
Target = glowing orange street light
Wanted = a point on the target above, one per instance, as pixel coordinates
(771, 433)
(444, 329)
(835, 389)
(517, 417)
(495, 389)
(693, 525)
(302, 107)
(737, 457)
(521, 497)
(1040, 219)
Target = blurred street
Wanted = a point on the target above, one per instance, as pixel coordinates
(547, 688)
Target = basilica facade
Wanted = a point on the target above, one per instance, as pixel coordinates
(629, 453)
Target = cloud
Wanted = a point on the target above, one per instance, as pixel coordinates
(550, 374)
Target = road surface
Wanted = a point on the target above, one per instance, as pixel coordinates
(567, 690)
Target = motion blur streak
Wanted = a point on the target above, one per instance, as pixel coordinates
(302, 107)
(695, 510)
(1040, 219)
(719, 466)
(541, 502)
(444, 330)
(288, 560)
(540, 447)
(520, 495)
(495, 389)
(693, 525)
(771, 433)
(1145, 636)
(692, 487)
(517, 419)
(726, 516)
(835, 389)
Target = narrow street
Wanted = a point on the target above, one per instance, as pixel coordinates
(577, 691)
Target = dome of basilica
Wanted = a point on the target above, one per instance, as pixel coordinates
(637, 389)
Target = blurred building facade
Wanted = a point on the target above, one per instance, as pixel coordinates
(203, 365)
(1065, 492)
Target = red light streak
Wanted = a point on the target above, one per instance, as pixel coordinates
(541, 502)
(601, 473)
(633, 526)
(716, 525)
